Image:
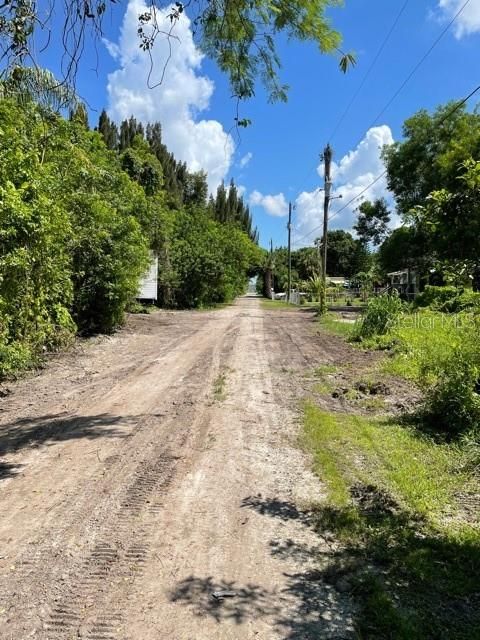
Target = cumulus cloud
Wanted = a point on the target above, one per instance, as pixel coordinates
(355, 171)
(245, 161)
(176, 101)
(274, 205)
(467, 22)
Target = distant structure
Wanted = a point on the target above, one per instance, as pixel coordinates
(405, 282)
(148, 285)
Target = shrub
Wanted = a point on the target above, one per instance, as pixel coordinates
(378, 316)
(436, 297)
(448, 299)
(453, 403)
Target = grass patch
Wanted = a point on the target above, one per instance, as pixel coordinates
(275, 305)
(323, 387)
(413, 565)
(324, 370)
(331, 323)
(219, 384)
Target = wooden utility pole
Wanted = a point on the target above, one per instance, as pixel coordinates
(289, 227)
(272, 291)
(327, 161)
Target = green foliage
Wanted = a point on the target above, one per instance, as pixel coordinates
(346, 256)
(449, 299)
(35, 289)
(453, 403)
(406, 247)
(241, 38)
(209, 261)
(372, 222)
(379, 315)
(431, 155)
(395, 502)
(434, 174)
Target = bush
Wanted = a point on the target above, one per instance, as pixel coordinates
(453, 403)
(448, 299)
(436, 297)
(378, 316)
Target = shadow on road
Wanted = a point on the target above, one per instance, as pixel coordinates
(49, 429)
(8, 470)
(304, 609)
(407, 579)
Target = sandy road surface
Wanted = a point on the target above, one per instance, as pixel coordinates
(151, 486)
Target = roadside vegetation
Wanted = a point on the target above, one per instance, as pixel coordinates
(402, 477)
(402, 487)
(81, 213)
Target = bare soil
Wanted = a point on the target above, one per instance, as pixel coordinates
(152, 486)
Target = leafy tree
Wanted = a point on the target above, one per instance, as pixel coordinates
(372, 222)
(35, 289)
(451, 221)
(240, 36)
(432, 154)
(345, 255)
(430, 174)
(405, 247)
(306, 262)
(108, 130)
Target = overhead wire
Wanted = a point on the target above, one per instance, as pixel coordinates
(399, 90)
(448, 115)
(369, 70)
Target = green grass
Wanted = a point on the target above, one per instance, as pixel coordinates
(270, 305)
(331, 323)
(412, 562)
(424, 338)
(219, 384)
(324, 369)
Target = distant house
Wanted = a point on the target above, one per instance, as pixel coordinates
(405, 282)
(336, 281)
(148, 285)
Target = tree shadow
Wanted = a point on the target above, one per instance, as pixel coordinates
(277, 509)
(8, 470)
(304, 609)
(407, 579)
(50, 429)
(244, 602)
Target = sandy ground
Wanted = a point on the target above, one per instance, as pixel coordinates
(152, 487)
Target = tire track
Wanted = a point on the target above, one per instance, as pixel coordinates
(84, 593)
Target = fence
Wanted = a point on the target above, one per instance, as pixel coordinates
(347, 297)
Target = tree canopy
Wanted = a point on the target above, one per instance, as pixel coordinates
(372, 222)
(81, 212)
(433, 175)
(241, 36)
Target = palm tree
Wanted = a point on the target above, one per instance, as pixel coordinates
(32, 84)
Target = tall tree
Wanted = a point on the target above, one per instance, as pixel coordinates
(372, 222)
(431, 154)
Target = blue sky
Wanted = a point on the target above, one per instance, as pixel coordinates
(280, 151)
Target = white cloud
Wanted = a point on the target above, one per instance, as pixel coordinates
(468, 21)
(355, 171)
(274, 205)
(245, 161)
(176, 102)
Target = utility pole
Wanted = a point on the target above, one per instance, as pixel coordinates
(289, 227)
(272, 290)
(327, 160)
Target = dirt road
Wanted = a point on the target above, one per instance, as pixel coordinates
(151, 486)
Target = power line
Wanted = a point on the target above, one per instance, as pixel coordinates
(404, 83)
(419, 63)
(369, 70)
(448, 115)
